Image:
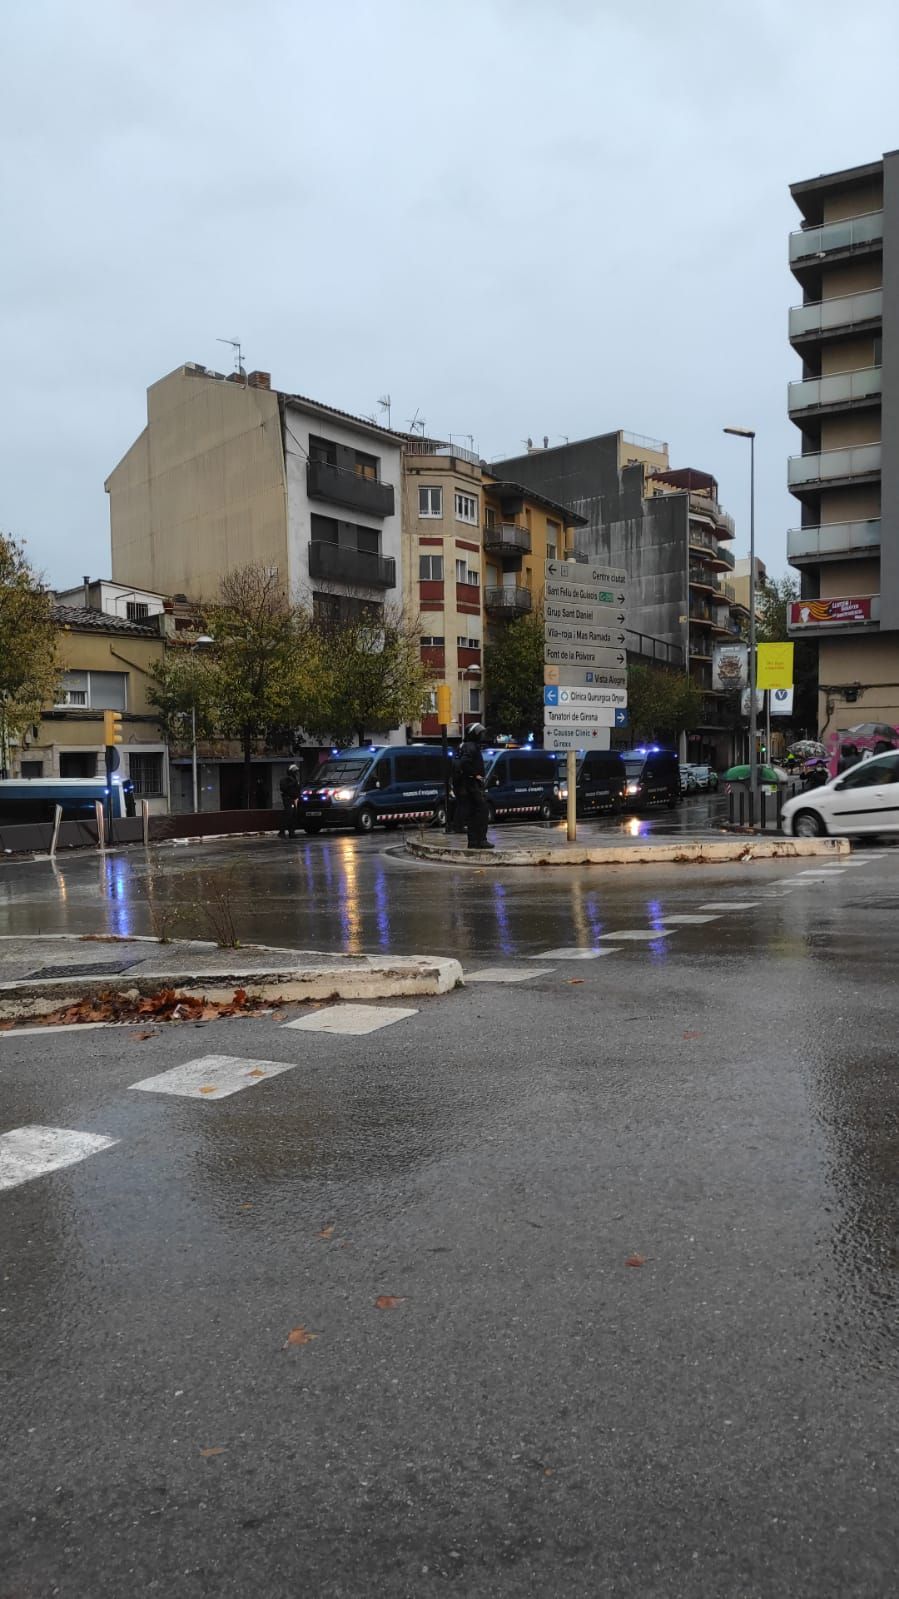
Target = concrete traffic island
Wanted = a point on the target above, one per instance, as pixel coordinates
(43, 974)
(655, 849)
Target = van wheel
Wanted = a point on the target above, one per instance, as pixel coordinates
(546, 811)
(439, 817)
(808, 824)
(312, 827)
(391, 825)
(365, 820)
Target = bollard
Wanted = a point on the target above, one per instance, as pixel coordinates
(730, 807)
(57, 819)
(145, 818)
(751, 808)
(100, 813)
(763, 806)
(742, 806)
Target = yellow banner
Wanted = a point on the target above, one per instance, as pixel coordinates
(775, 666)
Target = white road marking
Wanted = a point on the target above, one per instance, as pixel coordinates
(731, 905)
(639, 935)
(213, 1076)
(689, 920)
(823, 871)
(351, 1019)
(573, 953)
(28, 1152)
(61, 1027)
(506, 974)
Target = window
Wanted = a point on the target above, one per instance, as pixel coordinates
(553, 538)
(878, 351)
(78, 764)
(324, 529)
(466, 574)
(368, 540)
(537, 768)
(432, 701)
(463, 643)
(366, 466)
(434, 641)
(145, 772)
(98, 691)
(474, 699)
(466, 508)
(32, 769)
(430, 568)
(136, 610)
(430, 502)
(550, 551)
(322, 450)
(873, 774)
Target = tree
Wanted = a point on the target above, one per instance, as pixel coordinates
(775, 604)
(369, 673)
(514, 674)
(29, 669)
(661, 704)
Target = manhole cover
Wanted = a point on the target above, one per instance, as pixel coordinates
(92, 969)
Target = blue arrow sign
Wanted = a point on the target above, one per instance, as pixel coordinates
(621, 717)
(550, 695)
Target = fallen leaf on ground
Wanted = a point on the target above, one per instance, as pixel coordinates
(298, 1335)
(389, 1301)
(571, 981)
(208, 1453)
(692, 1035)
(248, 1205)
(635, 1260)
(142, 1036)
(207, 1088)
(327, 1232)
(256, 1072)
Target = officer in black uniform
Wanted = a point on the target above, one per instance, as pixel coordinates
(471, 775)
(290, 796)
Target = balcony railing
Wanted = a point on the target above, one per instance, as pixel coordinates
(846, 311)
(833, 539)
(342, 487)
(808, 243)
(701, 540)
(335, 563)
(508, 601)
(703, 577)
(860, 460)
(504, 538)
(840, 388)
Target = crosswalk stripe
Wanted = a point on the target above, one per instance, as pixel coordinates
(573, 953)
(731, 905)
(28, 1152)
(638, 935)
(688, 921)
(506, 974)
(213, 1076)
(352, 1020)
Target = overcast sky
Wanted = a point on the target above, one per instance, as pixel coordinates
(514, 217)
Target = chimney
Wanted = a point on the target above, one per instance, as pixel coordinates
(87, 593)
(546, 441)
(260, 380)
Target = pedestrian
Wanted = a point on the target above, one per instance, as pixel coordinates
(458, 799)
(471, 773)
(290, 797)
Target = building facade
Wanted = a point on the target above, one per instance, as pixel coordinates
(845, 403)
(106, 662)
(666, 529)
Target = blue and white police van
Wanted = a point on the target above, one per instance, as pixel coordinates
(391, 784)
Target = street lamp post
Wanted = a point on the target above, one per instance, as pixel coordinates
(749, 433)
(202, 643)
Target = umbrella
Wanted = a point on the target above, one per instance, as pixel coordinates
(807, 747)
(740, 774)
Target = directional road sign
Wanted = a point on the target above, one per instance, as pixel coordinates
(587, 637)
(560, 696)
(584, 593)
(599, 739)
(573, 717)
(584, 676)
(586, 572)
(582, 611)
(560, 656)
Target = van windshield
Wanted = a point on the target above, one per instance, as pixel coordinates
(634, 766)
(341, 772)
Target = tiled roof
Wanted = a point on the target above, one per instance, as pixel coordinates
(86, 620)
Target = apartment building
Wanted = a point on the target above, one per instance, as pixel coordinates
(229, 471)
(523, 529)
(665, 528)
(845, 259)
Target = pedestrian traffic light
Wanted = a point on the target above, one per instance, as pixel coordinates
(444, 704)
(112, 728)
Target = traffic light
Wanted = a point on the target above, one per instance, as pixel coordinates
(444, 704)
(112, 728)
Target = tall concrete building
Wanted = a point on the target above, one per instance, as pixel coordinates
(666, 529)
(845, 258)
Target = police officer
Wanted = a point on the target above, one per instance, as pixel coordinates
(290, 795)
(471, 776)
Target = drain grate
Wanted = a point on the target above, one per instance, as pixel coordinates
(92, 969)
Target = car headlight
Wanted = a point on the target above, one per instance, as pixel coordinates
(344, 793)
(561, 791)
(632, 788)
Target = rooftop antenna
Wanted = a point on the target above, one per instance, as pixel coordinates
(384, 405)
(417, 421)
(238, 355)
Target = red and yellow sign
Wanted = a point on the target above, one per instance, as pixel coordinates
(811, 613)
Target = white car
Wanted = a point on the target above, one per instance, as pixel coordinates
(863, 800)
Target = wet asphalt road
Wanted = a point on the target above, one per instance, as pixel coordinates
(534, 1416)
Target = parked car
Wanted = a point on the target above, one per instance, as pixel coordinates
(653, 778)
(688, 780)
(863, 800)
(704, 778)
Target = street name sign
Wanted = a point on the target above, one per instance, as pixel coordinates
(584, 677)
(575, 718)
(584, 593)
(599, 739)
(586, 572)
(583, 612)
(583, 655)
(589, 637)
(560, 696)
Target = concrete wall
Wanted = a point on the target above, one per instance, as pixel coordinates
(202, 490)
(870, 662)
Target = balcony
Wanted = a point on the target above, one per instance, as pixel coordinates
(848, 313)
(709, 510)
(716, 553)
(339, 486)
(809, 245)
(833, 541)
(505, 539)
(508, 602)
(336, 564)
(702, 577)
(838, 392)
(850, 465)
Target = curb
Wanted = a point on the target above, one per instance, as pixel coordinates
(699, 851)
(393, 979)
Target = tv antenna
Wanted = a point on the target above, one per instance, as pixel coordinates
(384, 405)
(418, 422)
(238, 354)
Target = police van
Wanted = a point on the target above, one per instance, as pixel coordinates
(523, 782)
(391, 784)
(34, 799)
(601, 783)
(653, 777)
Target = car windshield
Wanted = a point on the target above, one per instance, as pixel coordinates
(340, 772)
(634, 768)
